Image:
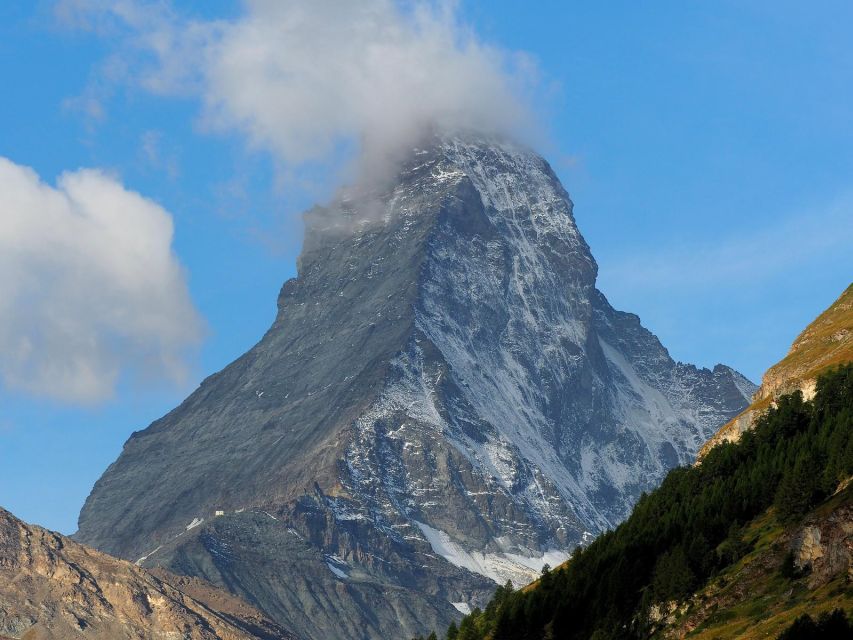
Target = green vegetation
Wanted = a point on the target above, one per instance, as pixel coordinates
(691, 530)
(826, 342)
(833, 626)
(758, 597)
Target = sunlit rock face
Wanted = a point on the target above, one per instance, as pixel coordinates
(54, 588)
(445, 401)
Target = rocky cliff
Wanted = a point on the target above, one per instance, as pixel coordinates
(444, 401)
(54, 588)
(825, 343)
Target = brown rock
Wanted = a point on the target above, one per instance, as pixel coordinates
(52, 587)
(825, 546)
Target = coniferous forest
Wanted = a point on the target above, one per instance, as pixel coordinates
(687, 530)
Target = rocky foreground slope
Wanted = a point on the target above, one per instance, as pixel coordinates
(757, 598)
(444, 402)
(54, 588)
(825, 343)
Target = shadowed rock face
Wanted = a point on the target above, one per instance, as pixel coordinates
(53, 587)
(444, 401)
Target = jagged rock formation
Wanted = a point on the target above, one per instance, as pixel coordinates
(825, 343)
(443, 401)
(824, 548)
(54, 588)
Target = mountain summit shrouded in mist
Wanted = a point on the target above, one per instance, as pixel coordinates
(443, 402)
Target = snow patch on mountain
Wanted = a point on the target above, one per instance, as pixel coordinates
(499, 567)
(195, 522)
(462, 607)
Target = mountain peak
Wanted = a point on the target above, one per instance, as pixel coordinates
(444, 401)
(519, 193)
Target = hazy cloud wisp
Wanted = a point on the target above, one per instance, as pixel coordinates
(89, 287)
(301, 79)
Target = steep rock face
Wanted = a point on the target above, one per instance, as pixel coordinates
(444, 401)
(824, 547)
(53, 587)
(825, 343)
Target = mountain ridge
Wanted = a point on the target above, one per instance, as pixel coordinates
(53, 587)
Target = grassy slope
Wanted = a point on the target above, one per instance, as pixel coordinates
(751, 599)
(825, 343)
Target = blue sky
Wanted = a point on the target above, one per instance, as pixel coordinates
(707, 148)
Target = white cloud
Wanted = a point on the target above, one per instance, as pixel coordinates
(302, 78)
(89, 287)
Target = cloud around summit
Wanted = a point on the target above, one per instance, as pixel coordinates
(304, 79)
(91, 292)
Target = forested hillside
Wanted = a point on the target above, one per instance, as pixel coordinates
(692, 530)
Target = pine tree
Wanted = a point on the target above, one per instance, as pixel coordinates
(452, 632)
(796, 493)
(673, 577)
(467, 630)
(788, 568)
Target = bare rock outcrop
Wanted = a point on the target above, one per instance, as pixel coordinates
(824, 547)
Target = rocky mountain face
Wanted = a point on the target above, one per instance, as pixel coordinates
(444, 401)
(52, 587)
(825, 343)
